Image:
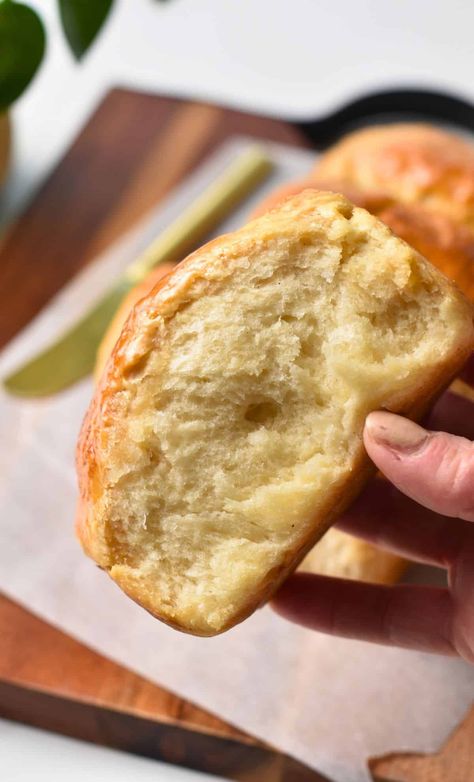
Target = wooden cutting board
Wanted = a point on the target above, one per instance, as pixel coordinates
(131, 153)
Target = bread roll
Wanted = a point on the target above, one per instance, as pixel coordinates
(337, 553)
(448, 245)
(373, 202)
(225, 435)
(412, 163)
(342, 555)
(115, 327)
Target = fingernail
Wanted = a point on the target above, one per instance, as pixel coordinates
(394, 432)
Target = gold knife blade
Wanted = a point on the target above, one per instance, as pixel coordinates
(72, 356)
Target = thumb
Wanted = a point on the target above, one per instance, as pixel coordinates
(433, 468)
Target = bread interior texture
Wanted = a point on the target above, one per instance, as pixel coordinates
(241, 421)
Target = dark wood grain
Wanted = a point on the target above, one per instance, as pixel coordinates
(35, 654)
(131, 153)
(50, 680)
(171, 742)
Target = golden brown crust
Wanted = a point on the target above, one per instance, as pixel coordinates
(341, 555)
(115, 327)
(412, 163)
(191, 279)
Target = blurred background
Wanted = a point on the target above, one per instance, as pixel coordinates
(295, 59)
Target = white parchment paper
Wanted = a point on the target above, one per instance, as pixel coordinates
(330, 702)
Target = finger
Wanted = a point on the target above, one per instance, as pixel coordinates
(433, 468)
(467, 373)
(461, 580)
(454, 414)
(408, 616)
(385, 517)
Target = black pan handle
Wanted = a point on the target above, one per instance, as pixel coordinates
(391, 105)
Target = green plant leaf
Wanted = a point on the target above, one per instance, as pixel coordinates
(81, 21)
(22, 45)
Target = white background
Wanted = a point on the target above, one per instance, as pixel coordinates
(296, 58)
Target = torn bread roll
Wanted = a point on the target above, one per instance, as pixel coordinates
(337, 553)
(417, 178)
(225, 435)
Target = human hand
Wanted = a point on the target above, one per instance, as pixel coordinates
(425, 514)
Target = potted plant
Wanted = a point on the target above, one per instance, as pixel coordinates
(22, 47)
